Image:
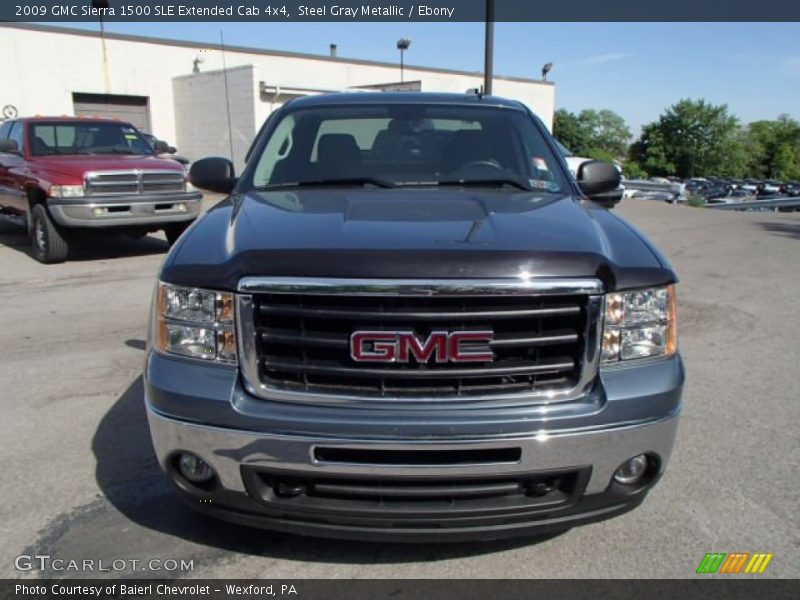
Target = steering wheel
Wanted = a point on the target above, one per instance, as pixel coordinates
(481, 164)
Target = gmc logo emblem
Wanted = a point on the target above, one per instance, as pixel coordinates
(441, 346)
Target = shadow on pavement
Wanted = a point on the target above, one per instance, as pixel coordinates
(91, 246)
(130, 478)
(790, 229)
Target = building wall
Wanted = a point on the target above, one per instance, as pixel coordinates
(42, 67)
(201, 116)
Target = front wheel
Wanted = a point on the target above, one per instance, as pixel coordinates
(173, 232)
(47, 239)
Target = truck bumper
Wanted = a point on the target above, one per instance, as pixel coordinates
(497, 485)
(122, 211)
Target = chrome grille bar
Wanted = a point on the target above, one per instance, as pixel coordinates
(308, 355)
(135, 181)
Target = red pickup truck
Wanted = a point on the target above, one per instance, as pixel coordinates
(62, 177)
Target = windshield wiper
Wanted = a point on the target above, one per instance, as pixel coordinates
(323, 182)
(489, 182)
(125, 151)
(116, 150)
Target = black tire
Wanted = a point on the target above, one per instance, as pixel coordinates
(47, 238)
(173, 232)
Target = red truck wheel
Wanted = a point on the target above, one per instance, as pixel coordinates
(49, 245)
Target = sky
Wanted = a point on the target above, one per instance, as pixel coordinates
(634, 69)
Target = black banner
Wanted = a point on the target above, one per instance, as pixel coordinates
(400, 589)
(276, 11)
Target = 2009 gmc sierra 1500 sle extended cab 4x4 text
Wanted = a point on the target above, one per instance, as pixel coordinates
(408, 322)
(63, 177)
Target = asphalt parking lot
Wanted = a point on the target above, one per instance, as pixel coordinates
(81, 481)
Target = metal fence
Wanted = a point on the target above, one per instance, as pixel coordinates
(645, 185)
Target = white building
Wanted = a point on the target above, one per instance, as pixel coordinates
(153, 84)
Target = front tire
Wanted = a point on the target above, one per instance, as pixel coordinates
(47, 239)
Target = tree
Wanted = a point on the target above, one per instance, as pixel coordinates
(608, 132)
(632, 170)
(774, 148)
(651, 153)
(570, 131)
(691, 138)
(600, 134)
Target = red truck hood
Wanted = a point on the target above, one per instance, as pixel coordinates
(74, 167)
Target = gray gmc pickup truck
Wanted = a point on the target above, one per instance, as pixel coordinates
(408, 322)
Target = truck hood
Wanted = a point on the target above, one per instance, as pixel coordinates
(74, 167)
(412, 233)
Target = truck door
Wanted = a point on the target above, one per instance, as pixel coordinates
(4, 129)
(12, 169)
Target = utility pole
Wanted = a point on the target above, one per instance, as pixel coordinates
(103, 4)
(488, 48)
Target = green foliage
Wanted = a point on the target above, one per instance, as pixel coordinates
(632, 170)
(774, 148)
(693, 139)
(599, 134)
(607, 131)
(568, 129)
(690, 138)
(695, 200)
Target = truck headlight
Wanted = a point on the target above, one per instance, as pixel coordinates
(66, 191)
(195, 323)
(639, 324)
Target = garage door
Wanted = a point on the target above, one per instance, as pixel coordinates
(133, 109)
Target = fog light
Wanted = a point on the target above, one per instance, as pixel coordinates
(194, 468)
(181, 207)
(99, 211)
(632, 471)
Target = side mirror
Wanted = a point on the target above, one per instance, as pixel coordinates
(215, 174)
(9, 147)
(600, 180)
(161, 147)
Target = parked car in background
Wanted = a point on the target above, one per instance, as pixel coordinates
(63, 177)
(166, 150)
(770, 187)
(751, 185)
(715, 191)
(792, 188)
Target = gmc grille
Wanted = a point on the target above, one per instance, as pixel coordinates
(134, 182)
(543, 344)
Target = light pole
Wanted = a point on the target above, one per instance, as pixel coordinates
(402, 45)
(101, 5)
(488, 48)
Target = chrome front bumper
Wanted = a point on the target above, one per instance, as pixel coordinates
(227, 450)
(126, 210)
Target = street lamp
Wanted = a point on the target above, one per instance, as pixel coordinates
(545, 70)
(402, 45)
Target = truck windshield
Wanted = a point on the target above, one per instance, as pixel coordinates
(86, 138)
(407, 145)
